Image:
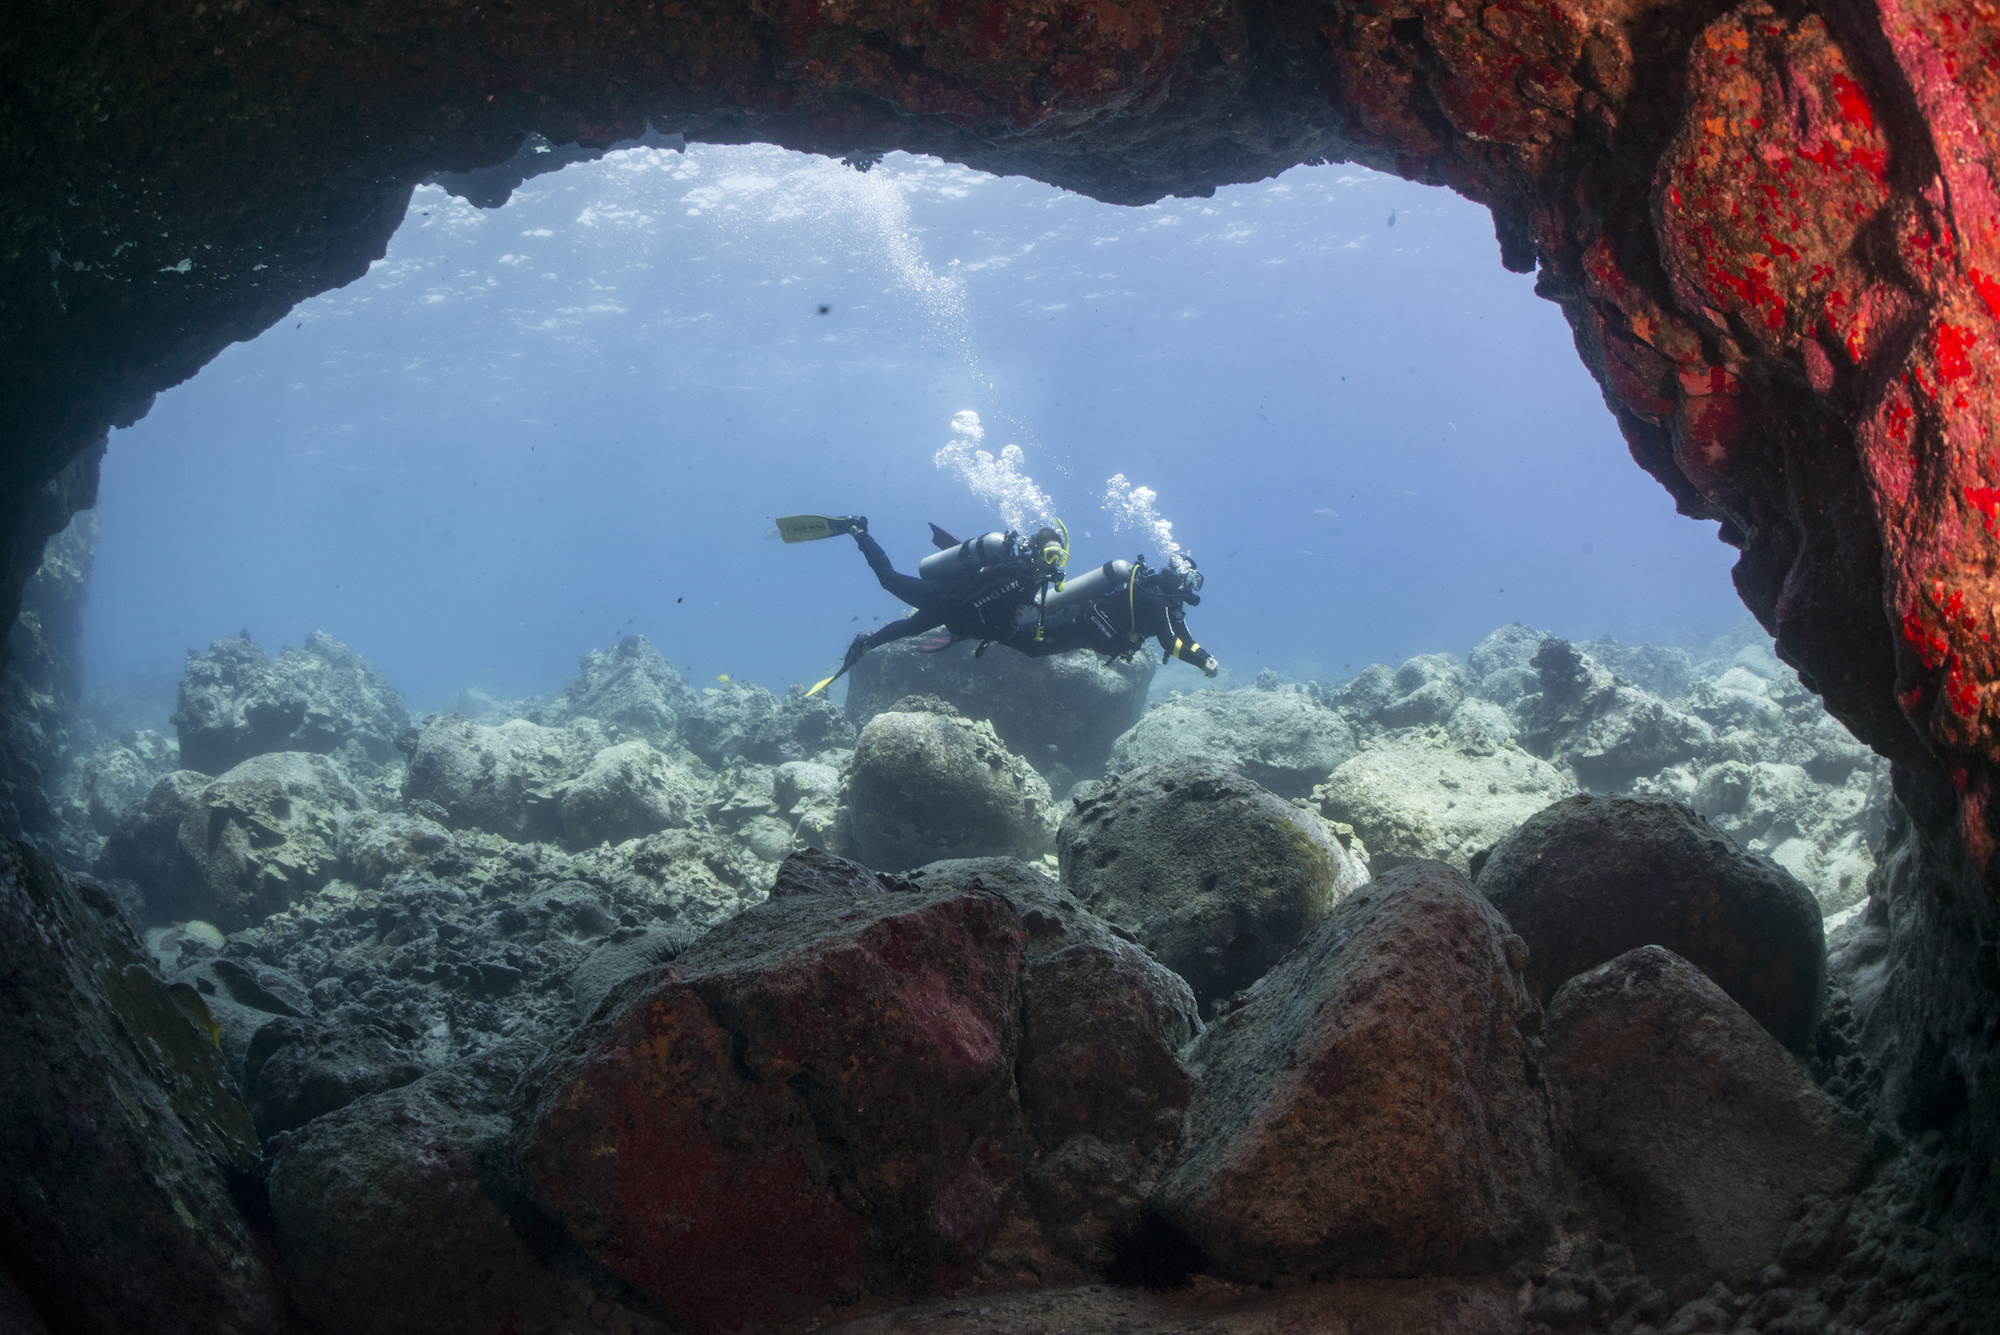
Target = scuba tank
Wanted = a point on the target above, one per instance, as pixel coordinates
(967, 557)
(1082, 588)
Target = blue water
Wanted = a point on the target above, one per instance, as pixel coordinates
(531, 430)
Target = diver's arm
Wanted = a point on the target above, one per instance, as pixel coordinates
(1179, 643)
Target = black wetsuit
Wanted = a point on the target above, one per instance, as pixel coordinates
(985, 605)
(1115, 624)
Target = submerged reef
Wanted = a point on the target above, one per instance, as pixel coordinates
(642, 1008)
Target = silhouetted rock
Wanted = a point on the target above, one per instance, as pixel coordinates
(125, 1137)
(924, 786)
(819, 1094)
(508, 780)
(1279, 739)
(396, 1215)
(629, 791)
(236, 702)
(1065, 710)
(1212, 873)
(297, 1070)
(1696, 1135)
(1373, 1106)
(1593, 877)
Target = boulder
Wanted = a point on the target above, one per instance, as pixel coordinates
(125, 1136)
(507, 780)
(627, 792)
(818, 1094)
(743, 722)
(1696, 1136)
(1424, 794)
(240, 847)
(114, 780)
(297, 1070)
(1279, 739)
(1425, 690)
(378, 847)
(1067, 709)
(808, 795)
(395, 1214)
(1373, 1107)
(235, 703)
(1607, 730)
(1592, 877)
(1215, 875)
(627, 951)
(630, 687)
(927, 785)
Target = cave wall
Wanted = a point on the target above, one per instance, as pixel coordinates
(1772, 227)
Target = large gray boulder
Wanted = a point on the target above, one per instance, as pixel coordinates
(124, 1134)
(1214, 874)
(926, 785)
(1607, 730)
(236, 849)
(630, 687)
(298, 1070)
(114, 780)
(1279, 739)
(1593, 877)
(235, 703)
(628, 792)
(1695, 1136)
(507, 780)
(743, 722)
(1373, 1106)
(1424, 794)
(1065, 710)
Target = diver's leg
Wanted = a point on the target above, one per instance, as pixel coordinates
(910, 588)
(899, 630)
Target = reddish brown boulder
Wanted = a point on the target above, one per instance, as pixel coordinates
(1696, 1135)
(811, 1110)
(1373, 1107)
(1590, 878)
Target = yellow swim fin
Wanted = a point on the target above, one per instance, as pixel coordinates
(823, 685)
(811, 528)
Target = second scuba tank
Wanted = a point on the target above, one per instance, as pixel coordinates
(1091, 584)
(967, 557)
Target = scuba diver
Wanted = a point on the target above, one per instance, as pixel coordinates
(976, 590)
(1118, 607)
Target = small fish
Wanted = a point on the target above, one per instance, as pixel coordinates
(1330, 514)
(769, 534)
(197, 1012)
(1404, 496)
(1392, 217)
(722, 676)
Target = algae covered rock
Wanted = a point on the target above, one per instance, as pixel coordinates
(927, 785)
(1373, 1106)
(627, 792)
(630, 686)
(235, 703)
(1697, 1136)
(297, 1070)
(1064, 710)
(507, 780)
(1279, 739)
(745, 722)
(1593, 877)
(1214, 874)
(235, 849)
(1424, 794)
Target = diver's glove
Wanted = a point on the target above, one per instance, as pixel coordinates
(1209, 667)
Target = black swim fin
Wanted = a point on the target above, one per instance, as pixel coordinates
(942, 540)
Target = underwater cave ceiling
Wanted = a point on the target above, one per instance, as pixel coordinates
(1772, 228)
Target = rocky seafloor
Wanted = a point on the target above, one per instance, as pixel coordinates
(642, 1007)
